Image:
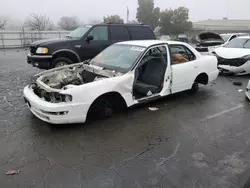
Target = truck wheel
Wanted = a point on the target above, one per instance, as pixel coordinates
(61, 61)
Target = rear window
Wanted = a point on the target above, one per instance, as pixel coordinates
(141, 33)
(119, 33)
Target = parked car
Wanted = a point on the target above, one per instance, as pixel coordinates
(84, 43)
(208, 41)
(123, 75)
(234, 57)
(248, 90)
(182, 38)
(229, 36)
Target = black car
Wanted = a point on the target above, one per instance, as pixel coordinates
(84, 43)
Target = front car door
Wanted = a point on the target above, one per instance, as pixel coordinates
(100, 41)
(184, 67)
(153, 74)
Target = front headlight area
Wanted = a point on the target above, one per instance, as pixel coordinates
(53, 97)
(42, 50)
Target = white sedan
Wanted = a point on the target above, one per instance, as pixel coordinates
(123, 75)
(234, 56)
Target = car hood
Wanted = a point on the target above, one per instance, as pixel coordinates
(231, 53)
(46, 42)
(209, 38)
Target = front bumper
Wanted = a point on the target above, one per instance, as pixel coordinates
(55, 113)
(243, 69)
(40, 61)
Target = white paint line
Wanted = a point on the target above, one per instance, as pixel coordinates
(224, 112)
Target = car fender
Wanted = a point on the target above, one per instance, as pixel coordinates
(87, 93)
(67, 50)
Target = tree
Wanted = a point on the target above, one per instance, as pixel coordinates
(147, 13)
(68, 23)
(175, 21)
(39, 22)
(113, 19)
(3, 23)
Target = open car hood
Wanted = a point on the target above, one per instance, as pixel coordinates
(209, 39)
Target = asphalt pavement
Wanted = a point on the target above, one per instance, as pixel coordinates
(196, 141)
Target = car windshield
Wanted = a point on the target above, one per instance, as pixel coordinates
(225, 37)
(237, 43)
(79, 32)
(118, 57)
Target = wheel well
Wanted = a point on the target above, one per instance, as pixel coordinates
(114, 97)
(68, 55)
(202, 79)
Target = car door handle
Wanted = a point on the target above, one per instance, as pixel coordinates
(78, 46)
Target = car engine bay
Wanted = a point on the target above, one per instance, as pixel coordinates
(64, 79)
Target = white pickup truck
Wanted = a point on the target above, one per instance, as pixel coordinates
(123, 75)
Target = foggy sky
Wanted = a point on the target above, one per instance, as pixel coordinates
(95, 9)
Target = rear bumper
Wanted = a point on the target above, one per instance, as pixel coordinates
(55, 113)
(213, 75)
(40, 61)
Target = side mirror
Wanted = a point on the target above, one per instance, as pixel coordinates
(89, 38)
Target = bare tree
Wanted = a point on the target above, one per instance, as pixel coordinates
(39, 22)
(68, 23)
(3, 23)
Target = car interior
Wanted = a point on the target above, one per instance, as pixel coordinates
(150, 72)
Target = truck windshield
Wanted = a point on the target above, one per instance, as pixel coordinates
(118, 57)
(79, 32)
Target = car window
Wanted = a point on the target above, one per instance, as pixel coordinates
(99, 33)
(140, 33)
(236, 43)
(119, 33)
(181, 54)
(247, 44)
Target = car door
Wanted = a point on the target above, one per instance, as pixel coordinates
(100, 41)
(184, 67)
(119, 33)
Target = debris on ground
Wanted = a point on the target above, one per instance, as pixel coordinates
(12, 172)
(237, 83)
(153, 108)
(240, 90)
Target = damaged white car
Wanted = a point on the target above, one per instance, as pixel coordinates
(234, 56)
(123, 75)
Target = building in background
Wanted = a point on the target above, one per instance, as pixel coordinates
(220, 26)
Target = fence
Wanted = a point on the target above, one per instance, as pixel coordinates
(17, 39)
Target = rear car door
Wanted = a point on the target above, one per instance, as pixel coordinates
(118, 33)
(184, 67)
(100, 41)
(141, 33)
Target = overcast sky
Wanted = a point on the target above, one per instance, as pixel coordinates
(96, 9)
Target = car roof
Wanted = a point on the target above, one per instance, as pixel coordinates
(234, 34)
(244, 37)
(148, 43)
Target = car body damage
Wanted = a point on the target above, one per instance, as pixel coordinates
(234, 56)
(248, 90)
(123, 75)
(208, 41)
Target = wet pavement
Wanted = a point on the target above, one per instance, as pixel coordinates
(195, 141)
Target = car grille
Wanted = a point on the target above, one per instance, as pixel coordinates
(231, 62)
(32, 49)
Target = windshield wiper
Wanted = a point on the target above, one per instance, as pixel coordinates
(68, 36)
